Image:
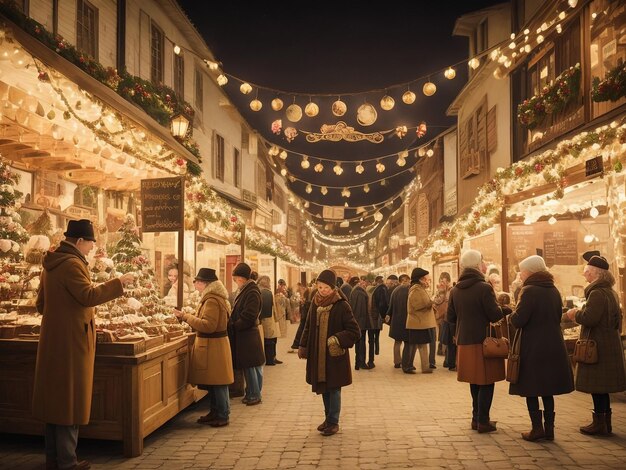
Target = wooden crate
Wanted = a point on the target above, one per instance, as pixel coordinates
(130, 348)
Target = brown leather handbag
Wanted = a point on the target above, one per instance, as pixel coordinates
(586, 350)
(495, 346)
(513, 362)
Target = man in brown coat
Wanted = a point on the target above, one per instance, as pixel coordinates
(67, 342)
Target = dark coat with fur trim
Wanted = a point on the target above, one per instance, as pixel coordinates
(544, 366)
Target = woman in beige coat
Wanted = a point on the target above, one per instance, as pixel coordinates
(211, 360)
(420, 319)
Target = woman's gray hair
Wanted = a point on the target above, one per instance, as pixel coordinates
(264, 281)
(602, 275)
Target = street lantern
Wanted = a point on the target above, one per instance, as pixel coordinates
(179, 126)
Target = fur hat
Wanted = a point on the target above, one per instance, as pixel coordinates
(533, 264)
(328, 277)
(599, 262)
(471, 259)
(417, 274)
(242, 270)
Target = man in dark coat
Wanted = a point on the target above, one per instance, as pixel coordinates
(396, 317)
(392, 282)
(359, 301)
(329, 332)
(245, 338)
(347, 286)
(378, 310)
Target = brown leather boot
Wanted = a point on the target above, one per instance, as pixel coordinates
(597, 426)
(489, 426)
(322, 426)
(537, 432)
(548, 425)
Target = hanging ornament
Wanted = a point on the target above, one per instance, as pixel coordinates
(474, 63)
(429, 88)
(277, 126)
(291, 133)
(378, 217)
(430, 153)
(283, 155)
(366, 188)
(43, 76)
(319, 167)
(401, 131)
(283, 171)
(324, 190)
(366, 115)
(245, 88)
(408, 97)
(421, 130)
(339, 108)
(380, 167)
(449, 73)
(273, 151)
(222, 80)
(383, 182)
(359, 168)
(421, 152)
(345, 192)
(311, 109)
(387, 103)
(305, 164)
(294, 112)
(337, 169)
(401, 161)
(256, 105)
(277, 104)
(308, 189)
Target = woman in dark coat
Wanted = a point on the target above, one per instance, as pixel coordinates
(472, 306)
(243, 331)
(329, 332)
(397, 313)
(545, 369)
(601, 321)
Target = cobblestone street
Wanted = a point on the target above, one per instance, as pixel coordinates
(388, 420)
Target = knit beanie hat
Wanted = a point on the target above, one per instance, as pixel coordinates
(242, 270)
(471, 259)
(328, 277)
(533, 264)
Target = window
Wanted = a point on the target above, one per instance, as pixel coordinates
(236, 168)
(608, 22)
(473, 142)
(87, 28)
(279, 198)
(276, 217)
(199, 90)
(156, 53)
(23, 6)
(482, 37)
(260, 181)
(179, 75)
(218, 161)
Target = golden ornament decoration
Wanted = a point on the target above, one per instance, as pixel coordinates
(408, 97)
(474, 63)
(311, 109)
(277, 104)
(222, 79)
(387, 103)
(318, 168)
(339, 108)
(294, 112)
(449, 73)
(366, 188)
(256, 105)
(366, 115)
(245, 88)
(429, 88)
(324, 190)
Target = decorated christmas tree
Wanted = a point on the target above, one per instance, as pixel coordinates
(12, 235)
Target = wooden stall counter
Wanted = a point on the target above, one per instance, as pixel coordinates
(135, 391)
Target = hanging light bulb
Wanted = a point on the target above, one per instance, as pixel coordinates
(421, 152)
(594, 212)
(387, 103)
(359, 168)
(408, 97)
(222, 79)
(401, 161)
(345, 223)
(305, 162)
(383, 183)
(380, 167)
(337, 169)
(277, 104)
(552, 220)
(273, 151)
(324, 190)
(177, 49)
(318, 168)
(589, 238)
(366, 188)
(429, 88)
(449, 73)
(345, 192)
(430, 153)
(474, 63)
(306, 204)
(245, 88)
(572, 3)
(308, 189)
(378, 217)
(283, 155)
(283, 171)
(256, 105)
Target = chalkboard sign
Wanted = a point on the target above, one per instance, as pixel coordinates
(593, 166)
(560, 248)
(162, 204)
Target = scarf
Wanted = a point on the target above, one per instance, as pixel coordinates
(324, 305)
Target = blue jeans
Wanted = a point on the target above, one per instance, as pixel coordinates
(254, 382)
(332, 405)
(60, 442)
(219, 401)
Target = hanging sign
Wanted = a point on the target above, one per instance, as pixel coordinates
(162, 204)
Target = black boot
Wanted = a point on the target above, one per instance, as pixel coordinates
(548, 424)
(537, 432)
(609, 427)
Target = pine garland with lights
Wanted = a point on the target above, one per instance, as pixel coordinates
(552, 99)
(612, 87)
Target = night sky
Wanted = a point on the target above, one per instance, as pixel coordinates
(313, 48)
